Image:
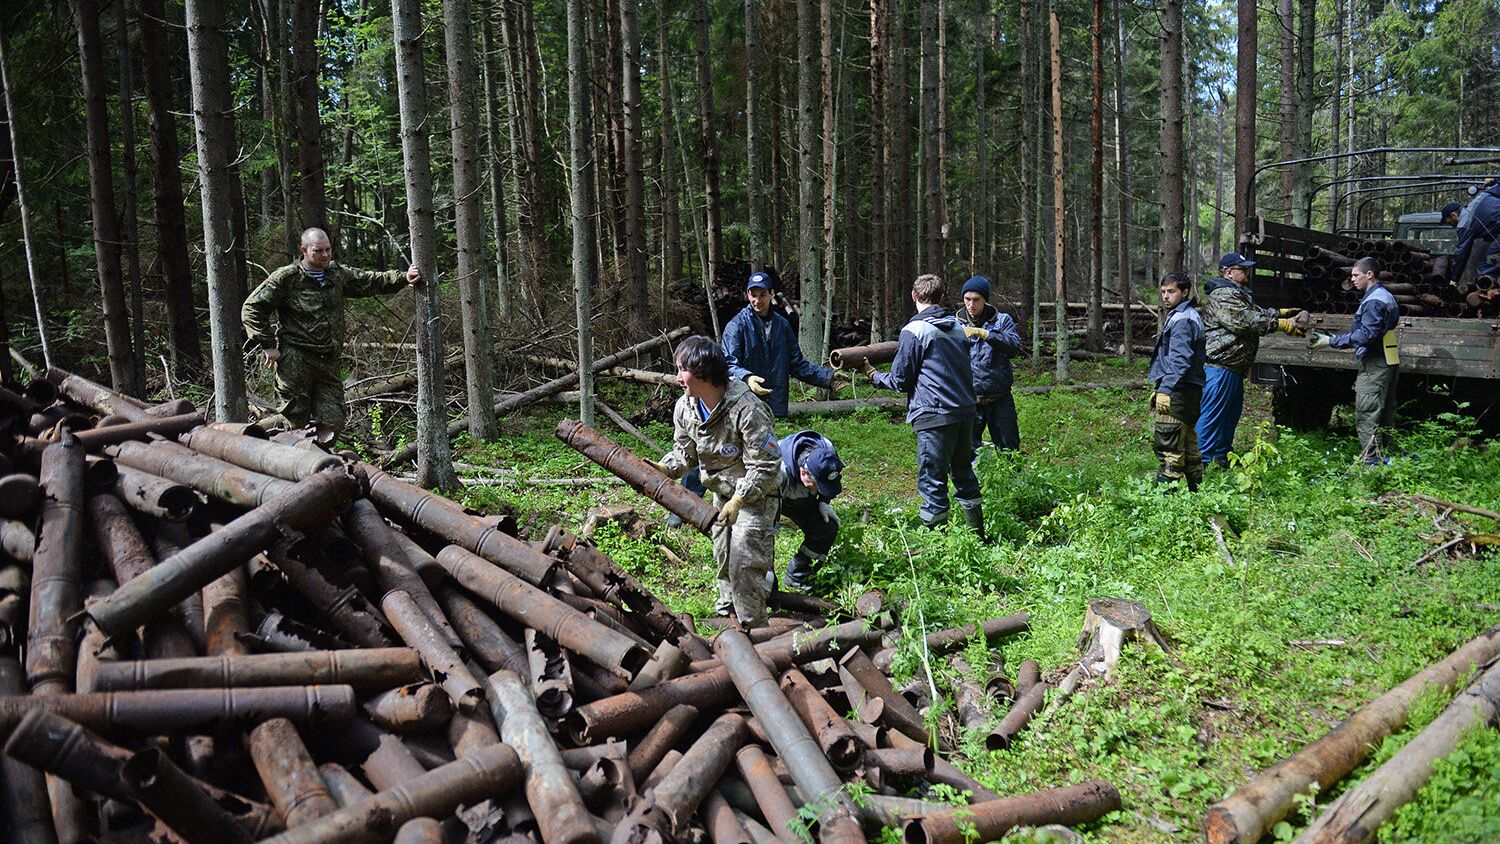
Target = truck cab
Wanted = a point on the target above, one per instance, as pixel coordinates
(1427, 230)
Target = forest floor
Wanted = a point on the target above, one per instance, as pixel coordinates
(1316, 549)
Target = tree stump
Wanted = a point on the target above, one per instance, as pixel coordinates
(631, 523)
(1109, 624)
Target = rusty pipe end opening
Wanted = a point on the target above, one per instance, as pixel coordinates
(995, 741)
(913, 833)
(554, 702)
(634, 660)
(577, 728)
(41, 392)
(470, 701)
(845, 752)
(140, 770)
(835, 359)
(179, 502)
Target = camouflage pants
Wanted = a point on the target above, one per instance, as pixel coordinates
(1175, 439)
(310, 388)
(745, 552)
(1374, 403)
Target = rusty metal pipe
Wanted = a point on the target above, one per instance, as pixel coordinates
(128, 555)
(367, 670)
(954, 638)
(551, 675)
(832, 733)
(397, 563)
(57, 569)
(487, 772)
(639, 474)
(417, 507)
(311, 504)
(1069, 805)
(176, 798)
(417, 631)
(417, 708)
(419, 831)
(96, 397)
(857, 671)
(346, 608)
(268, 458)
(856, 356)
(1020, 714)
(491, 646)
(677, 796)
(667, 662)
(226, 613)
(345, 788)
(288, 772)
(554, 799)
(26, 809)
(17, 541)
(20, 494)
(190, 711)
(383, 757)
(154, 495)
(468, 733)
(659, 741)
(775, 806)
(539, 610)
(613, 584)
(97, 439)
(214, 478)
(800, 645)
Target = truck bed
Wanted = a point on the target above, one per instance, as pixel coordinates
(1442, 346)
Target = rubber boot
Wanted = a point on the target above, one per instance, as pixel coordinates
(974, 518)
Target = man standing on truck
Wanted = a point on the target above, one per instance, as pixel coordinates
(1373, 339)
(1233, 325)
(1450, 214)
(1481, 224)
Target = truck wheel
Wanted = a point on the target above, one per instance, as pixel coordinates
(1303, 401)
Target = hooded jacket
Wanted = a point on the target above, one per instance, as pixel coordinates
(1177, 362)
(1481, 222)
(774, 356)
(791, 476)
(1378, 313)
(932, 367)
(1233, 325)
(990, 358)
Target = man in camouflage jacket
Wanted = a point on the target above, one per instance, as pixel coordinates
(1233, 325)
(306, 299)
(723, 428)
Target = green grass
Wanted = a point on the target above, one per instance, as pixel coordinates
(1320, 550)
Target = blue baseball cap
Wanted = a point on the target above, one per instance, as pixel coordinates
(761, 280)
(827, 471)
(1234, 259)
(1450, 208)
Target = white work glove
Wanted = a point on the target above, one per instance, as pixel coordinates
(757, 385)
(1161, 402)
(730, 511)
(1318, 341)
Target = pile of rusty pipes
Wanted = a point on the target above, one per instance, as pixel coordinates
(210, 634)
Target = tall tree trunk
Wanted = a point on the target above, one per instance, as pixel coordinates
(982, 253)
(932, 250)
(1220, 119)
(1336, 107)
(671, 215)
(33, 272)
(1096, 194)
(311, 192)
(809, 226)
(102, 202)
(1306, 66)
(754, 137)
(611, 191)
(830, 175)
(1287, 42)
(499, 213)
(879, 224)
(580, 134)
(1041, 71)
(131, 235)
(473, 266)
(434, 455)
(1029, 165)
(1245, 86)
(635, 180)
(285, 122)
(1194, 235)
(942, 130)
(166, 184)
(709, 141)
(1122, 193)
(901, 240)
(1171, 137)
(526, 91)
(213, 123)
(1059, 221)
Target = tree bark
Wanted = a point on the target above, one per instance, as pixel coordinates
(754, 138)
(635, 180)
(166, 184)
(1219, 119)
(1096, 195)
(900, 236)
(879, 223)
(33, 276)
(982, 255)
(1307, 34)
(1059, 220)
(809, 224)
(830, 176)
(1029, 165)
(671, 215)
(213, 122)
(1171, 136)
(498, 175)
(709, 141)
(102, 202)
(1122, 192)
(582, 164)
(131, 233)
(473, 268)
(1286, 30)
(311, 191)
(932, 165)
(1244, 115)
(434, 455)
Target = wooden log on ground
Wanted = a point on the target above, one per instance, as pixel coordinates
(626, 373)
(1361, 810)
(367, 390)
(1462, 508)
(1247, 814)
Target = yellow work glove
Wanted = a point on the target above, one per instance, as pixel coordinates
(1289, 312)
(866, 367)
(1161, 402)
(840, 378)
(757, 385)
(664, 469)
(730, 511)
(974, 332)
(1289, 327)
(1319, 341)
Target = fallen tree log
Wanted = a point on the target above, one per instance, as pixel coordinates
(393, 383)
(536, 394)
(1462, 508)
(640, 376)
(1361, 810)
(1247, 814)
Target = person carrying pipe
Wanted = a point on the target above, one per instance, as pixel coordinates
(992, 340)
(1373, 339)
(1176, 376)
(1233, 325)
(306, 300)
(932, 367)
(811, 477)
(720, 426)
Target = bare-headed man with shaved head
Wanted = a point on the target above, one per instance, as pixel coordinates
(306, 299)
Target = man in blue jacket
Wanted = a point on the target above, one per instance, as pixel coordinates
(1373, 339)
(762, 350)
(811, 477)
(932, 368)
(993, 341)
(1176, 376)
(1480, 223)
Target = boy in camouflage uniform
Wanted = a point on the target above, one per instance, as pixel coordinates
(1177, 384)
(723, 428)
(307, 300)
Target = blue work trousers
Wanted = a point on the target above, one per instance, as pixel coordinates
(998, 415)
(1223, 402)
(941, 452)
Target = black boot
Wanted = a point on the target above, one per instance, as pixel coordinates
(974, 518)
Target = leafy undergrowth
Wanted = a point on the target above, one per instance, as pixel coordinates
(1317, 549)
